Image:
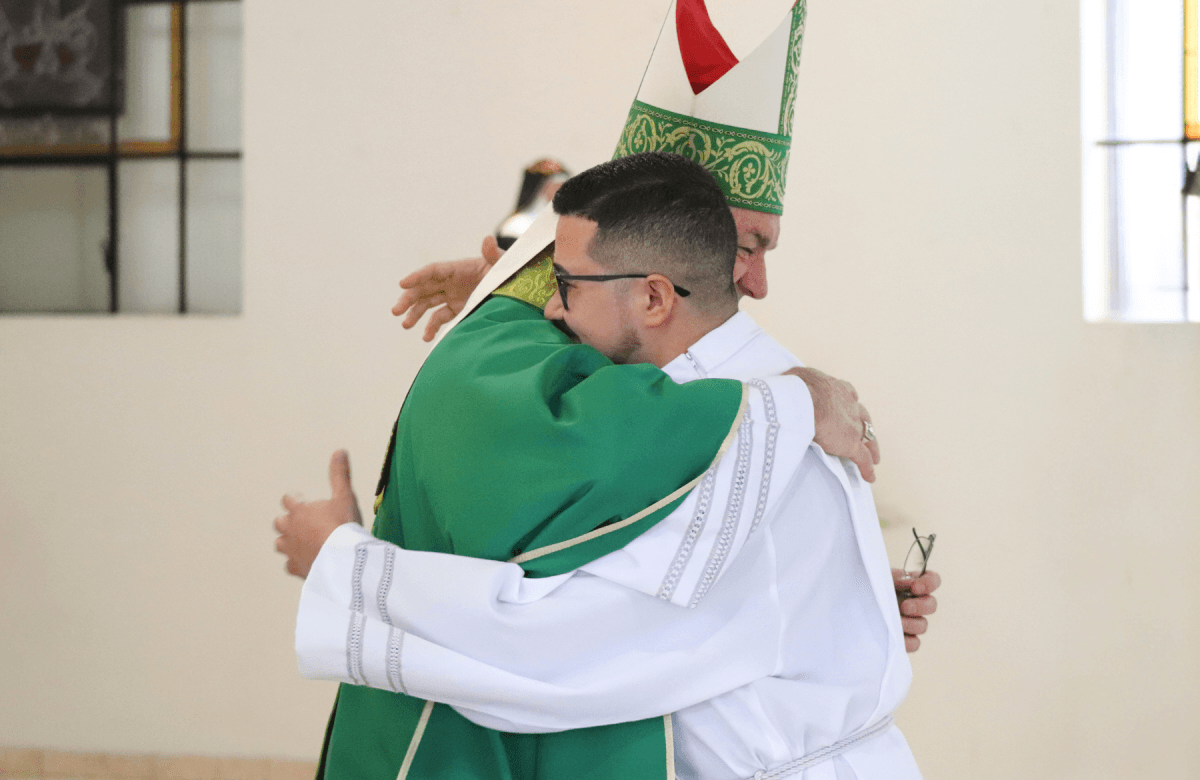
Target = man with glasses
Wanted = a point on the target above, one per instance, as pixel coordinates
(769, 628)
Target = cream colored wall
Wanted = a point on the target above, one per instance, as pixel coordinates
(931, 254)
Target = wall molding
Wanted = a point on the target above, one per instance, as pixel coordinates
(37, 764)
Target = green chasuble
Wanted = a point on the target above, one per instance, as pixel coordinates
(514, 440)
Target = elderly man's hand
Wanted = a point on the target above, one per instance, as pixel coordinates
(840, 420)
(447, 285)
(307, 524)
(916, 603)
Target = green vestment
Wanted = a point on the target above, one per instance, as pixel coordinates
(513, 439)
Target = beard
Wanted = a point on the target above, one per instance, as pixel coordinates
(629, 345)
(566, 329)
(626, 350)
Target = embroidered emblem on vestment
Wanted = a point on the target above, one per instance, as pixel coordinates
(534, 285)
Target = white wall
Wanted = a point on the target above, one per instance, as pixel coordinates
(930, 254)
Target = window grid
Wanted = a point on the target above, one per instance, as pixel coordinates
(1142, 259)
(110, 155)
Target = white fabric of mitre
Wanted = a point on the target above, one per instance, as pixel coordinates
(537, 237)
(748, 96)
(745, 25)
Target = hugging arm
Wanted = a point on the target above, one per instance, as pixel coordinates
(642, 631)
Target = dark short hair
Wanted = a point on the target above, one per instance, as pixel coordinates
(658, 213)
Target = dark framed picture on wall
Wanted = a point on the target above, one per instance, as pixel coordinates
(60, 57)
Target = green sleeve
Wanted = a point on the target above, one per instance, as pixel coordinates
(513, 438)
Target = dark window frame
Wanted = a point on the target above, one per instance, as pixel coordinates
(110, 155)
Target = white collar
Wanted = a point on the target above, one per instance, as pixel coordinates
(714, 348)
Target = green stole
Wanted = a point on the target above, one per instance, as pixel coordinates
(513, 440)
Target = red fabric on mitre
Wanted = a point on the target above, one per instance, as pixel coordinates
(706, 56)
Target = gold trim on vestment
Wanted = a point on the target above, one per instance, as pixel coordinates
(534, 284)
(657, 505)
(415, 742)
(669, 728)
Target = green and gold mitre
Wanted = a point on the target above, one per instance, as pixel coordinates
(733, 117)
(696, 99)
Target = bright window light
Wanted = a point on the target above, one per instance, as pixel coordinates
(1141, 232)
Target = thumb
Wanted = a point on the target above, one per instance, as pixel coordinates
(339, 474)
(491, 250)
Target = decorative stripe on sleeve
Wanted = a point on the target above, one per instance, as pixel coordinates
(354, 639)
(354, 634)
(356, 585)
(395, 644)
(769, 452)
(688, 544)
(385, 583)
(733, 513)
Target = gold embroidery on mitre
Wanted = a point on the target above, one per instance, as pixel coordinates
(750, 166)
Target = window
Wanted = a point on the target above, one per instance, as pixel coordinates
(1141, 136)
(120, 156)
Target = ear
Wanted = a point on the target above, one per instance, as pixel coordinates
(660, 301)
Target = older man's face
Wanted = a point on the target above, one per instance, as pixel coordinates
(758, 233)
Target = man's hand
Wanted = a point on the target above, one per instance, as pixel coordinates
(447, 284)
(308, 524)
(916, 601)
(840, 418)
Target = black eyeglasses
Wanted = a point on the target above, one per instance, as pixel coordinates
(563, 279)
(917, 559)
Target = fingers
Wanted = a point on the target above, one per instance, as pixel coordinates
(407, 298)
(432, 273)
(422, 306)
(491, 250)
(918, 606)
(281, 543)
(863, 458)
(873, 444)
(421, 298)
(914, 626)
(839, 420)
(291, 501)
(437, 320)
(927, 583)
(911, 644)
(339, 474)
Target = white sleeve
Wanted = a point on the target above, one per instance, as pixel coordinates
(530, 655)
(606, 643)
